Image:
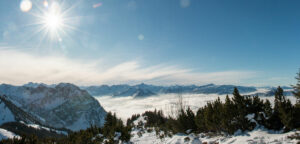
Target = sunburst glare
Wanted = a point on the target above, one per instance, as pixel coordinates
(53, 19)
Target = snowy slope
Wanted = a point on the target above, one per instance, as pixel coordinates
(5, 114)
(4, 134)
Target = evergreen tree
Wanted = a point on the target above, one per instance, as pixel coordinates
(279, 96)
(284, 109)
(185, 121)
(297, 88)
(267, 113)
(208, 117)
(191, 119)
(240, 111)
(267, 109)
(218, 114)
(297, 105)
(200, 120)
(256, 105)
(228, 116)
(274, 122)
(286, 114)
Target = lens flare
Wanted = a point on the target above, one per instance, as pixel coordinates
(97, 5)
(46, 4)
(141, 37)
(25, 5)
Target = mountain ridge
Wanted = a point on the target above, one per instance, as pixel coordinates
(144, 90)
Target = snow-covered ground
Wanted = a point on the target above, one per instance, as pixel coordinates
(4, 134)
(259, 136)
(125, 107)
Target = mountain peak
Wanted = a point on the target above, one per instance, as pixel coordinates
(67, 85)
(34, 85)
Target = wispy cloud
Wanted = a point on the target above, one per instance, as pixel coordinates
(19, 67)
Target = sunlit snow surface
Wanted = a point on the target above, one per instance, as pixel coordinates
(258, 136)
(124, 107)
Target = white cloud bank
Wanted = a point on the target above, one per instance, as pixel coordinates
(19, 67)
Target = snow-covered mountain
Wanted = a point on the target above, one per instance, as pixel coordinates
(62, 106)
(13, 120)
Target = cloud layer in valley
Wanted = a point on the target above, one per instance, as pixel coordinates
(125, 107)
(19, 67)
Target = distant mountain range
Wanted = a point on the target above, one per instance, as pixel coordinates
(60, 106)
(144, 90)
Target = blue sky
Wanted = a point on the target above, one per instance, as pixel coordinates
(161, 42)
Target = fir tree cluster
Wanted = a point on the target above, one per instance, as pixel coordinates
(237, 113)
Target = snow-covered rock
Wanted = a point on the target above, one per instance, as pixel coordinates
(4, 134)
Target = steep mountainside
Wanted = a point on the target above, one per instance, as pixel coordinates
(11, 113)
(5, 113)
(64, 105)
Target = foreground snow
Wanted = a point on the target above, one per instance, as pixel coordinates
(257, 136)
(4, 134)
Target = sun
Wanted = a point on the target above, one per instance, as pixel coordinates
(53, 18)
(53, 21)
